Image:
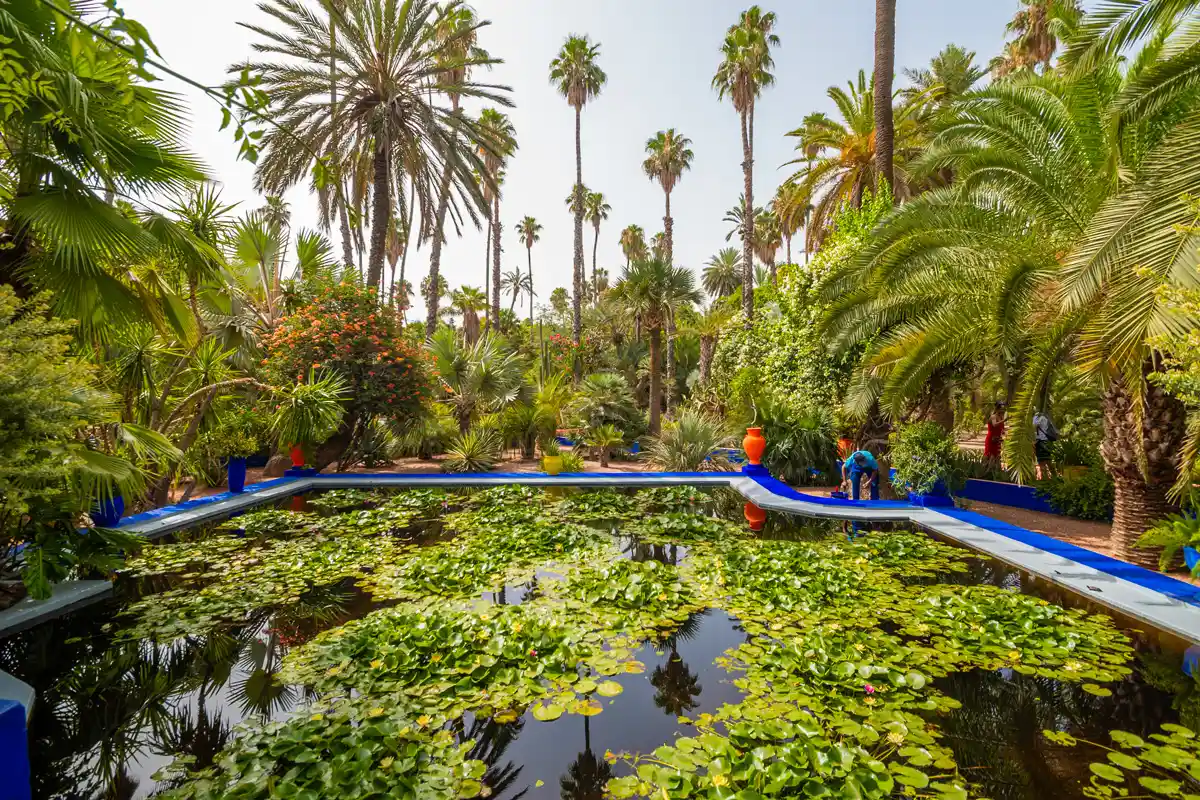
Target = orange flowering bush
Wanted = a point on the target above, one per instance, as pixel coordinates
(343, 329)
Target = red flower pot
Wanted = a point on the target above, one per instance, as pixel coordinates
(297, 456)
(755, 445)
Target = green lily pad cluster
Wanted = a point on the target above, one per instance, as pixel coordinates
(682, 526)
(1168, 765)
(335, 501)
(603, 504)
(668, 499)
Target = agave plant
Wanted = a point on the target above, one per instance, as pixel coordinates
(692, 443)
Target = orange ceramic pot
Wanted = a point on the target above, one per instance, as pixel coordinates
(755, 445)
(755, 517)
(297, 456)
(845, 447)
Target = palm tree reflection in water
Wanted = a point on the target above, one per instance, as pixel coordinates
(587, 775)
(678, 687)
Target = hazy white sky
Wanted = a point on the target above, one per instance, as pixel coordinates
(660, 56)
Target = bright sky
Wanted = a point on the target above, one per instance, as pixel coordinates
(660, 57)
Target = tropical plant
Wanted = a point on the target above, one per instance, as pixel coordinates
(572, 462)
(526, 423)
(476, 450)
(596, 209)
(923, 455)
(309, 412)
(502, 139)
(468, 302)
(668, 156)
(606, 399)
(516, 282)
(791, 208)
(723, 273)
(476, 377)
(1171, 535)
(1088, 496)
(576, 74)
(1037, 27)
(604, 438)
(529, 229)
(884, 74)
(633, 243)
(694, 442)
(745, 70)
(951, 74)
(653, 291)
(840, 156)
(767, 239)
(799, 441)
(709, 327)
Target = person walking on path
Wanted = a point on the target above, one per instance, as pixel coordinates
(994, 441)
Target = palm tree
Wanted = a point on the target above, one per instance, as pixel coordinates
(468, 302)
(652, 291)
(596, 210)
(791, 208)
(668, 155)
(840, 156)
(708, 327)
(723, 274)
(476, 378)
(501, 135)
(767, 240)
(516, 282)
(578, 77)
(658, 245)
(530, 230)
(633, 243)
(388, 55)
(885, 71)
(1035, 27)
(1013, 60)
(951, 74)
(742, 75)
(397, 244)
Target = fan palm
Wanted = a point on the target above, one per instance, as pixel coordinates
(744, 71)
(1036, 28)
(576, 73)
(596, 209)
(501, 136)
(516, 282)
(468, 302)
(633, 244)
(653, 291)
(388, 55)
(841, 155)
(668, 155)
(476, 378)
(723, 274)
(530, 230)
(768, 238)
(709, 326)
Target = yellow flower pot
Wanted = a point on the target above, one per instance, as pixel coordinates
(552, 465)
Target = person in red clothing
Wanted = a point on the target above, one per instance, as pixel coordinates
(994, 440)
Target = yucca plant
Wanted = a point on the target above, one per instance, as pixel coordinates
(309, 412)
(477, 450)
(692, 443)
(604, 438)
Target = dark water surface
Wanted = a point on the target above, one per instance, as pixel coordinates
(110, 714)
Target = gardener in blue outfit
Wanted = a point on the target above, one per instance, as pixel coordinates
(861, 463)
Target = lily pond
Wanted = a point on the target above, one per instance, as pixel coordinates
(525, 643)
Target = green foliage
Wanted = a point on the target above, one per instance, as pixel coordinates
(430, 434)
(1165, 765)
(606, 399)
(573, 461)
(798, 440)
(1088, 496)
(526, 423)
(923, 454)
(603, 504)
(691, 443)
(477, 450)
(1171, 534)
(603, 439)
(476, 379)
(309, 412)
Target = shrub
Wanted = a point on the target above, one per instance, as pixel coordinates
(1089, 496)
(606, 399)
(923, 454)
(430, 434)
(573, 462)
(604, 438)
(310, 412)
(1171, 534)
(798, 441)
(343, 330)
(525, 424)
(691, 443)
(477, 450)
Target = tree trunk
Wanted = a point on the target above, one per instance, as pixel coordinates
(1140, 487)
(788, 243)
(340, 193)
(655, 380)
(747, 224)
(495, 263)
(885, 69)
(529, 260)
(595, 282)
(381, 213)
(412, 199)
(487, 262)
(577, 317)
(708, 347)
(672, 382)
(435, 254)
(669, 233)
(603, 457)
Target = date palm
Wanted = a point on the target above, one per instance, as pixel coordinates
(530, 231)
(1036, 28)
(767, 240)
(885, 71)
(652, 291)
(668, 155)
(468, 302)
(388, 54)
(576, 73)
(516, 282)
(951, 74)
(501, 137)
(723, 273)
(633, 243)
(791, 207)
(744, 71)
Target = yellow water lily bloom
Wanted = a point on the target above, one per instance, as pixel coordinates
(317, 717)
(720, 780)
(423, 720)
(375, 712)
(376, 664)
(386, 763)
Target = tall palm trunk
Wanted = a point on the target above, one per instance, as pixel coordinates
(708, 347)
(435, 252)
(595, 247)
(412, 200)
(885, 68)
(788, 244)
(577, 309)
(381, 212)
(340, 197)
(747, 223)
(671, 381)
(496, 260)
(529, 259)
(669, 233)
(656, 380)
(1140, 487)
(487, 262)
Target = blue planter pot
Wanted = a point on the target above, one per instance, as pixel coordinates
(236, 470)
(1191, 557)
(931, 500)
(109, 512)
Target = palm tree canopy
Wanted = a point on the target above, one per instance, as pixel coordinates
(575, 71)
(736, 217)
(595, 208)
(952, 73)
(668, 155)
(746, 62)
(633, 242)
(652, 290)
(723, 273)
(500, 136)
(530, 231)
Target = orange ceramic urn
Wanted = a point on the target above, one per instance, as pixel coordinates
(754, 444)
(297, 456)
(755, 517)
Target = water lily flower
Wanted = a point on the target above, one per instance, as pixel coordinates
(868, 688)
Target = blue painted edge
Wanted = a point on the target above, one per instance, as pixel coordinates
(1148, 579)
(199, 502)
(1006, 494)
(780, 488)
(648, 477)
(14, 752)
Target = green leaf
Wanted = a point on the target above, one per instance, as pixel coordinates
(1107, 772)
(1099, 691)
(547, 713)
(609, 689)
